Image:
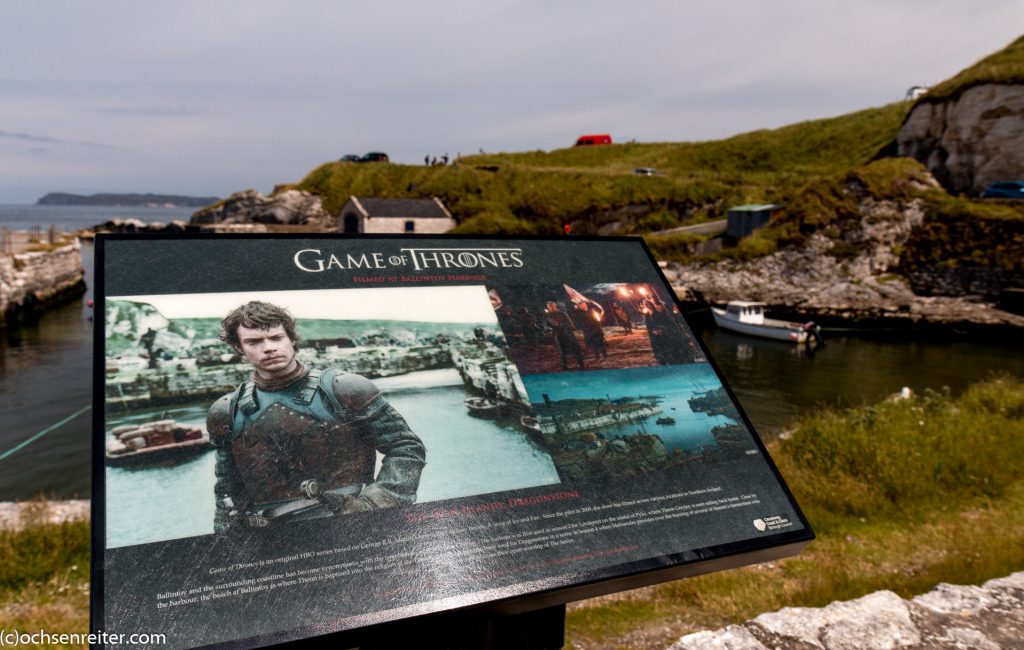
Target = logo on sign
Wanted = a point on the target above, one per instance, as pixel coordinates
(760, 525)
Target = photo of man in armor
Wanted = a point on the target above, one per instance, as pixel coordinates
(300, 443)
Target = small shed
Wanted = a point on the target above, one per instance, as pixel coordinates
(370, 215)
(745, 219)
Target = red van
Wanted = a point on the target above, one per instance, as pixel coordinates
(600, 138)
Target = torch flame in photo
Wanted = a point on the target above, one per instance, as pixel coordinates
(593, 306)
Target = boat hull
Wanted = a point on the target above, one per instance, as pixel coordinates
(776, 330)
(163, 455)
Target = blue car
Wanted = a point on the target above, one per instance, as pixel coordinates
(1004, 190)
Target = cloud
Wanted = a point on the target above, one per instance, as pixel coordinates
(45, 138)
(27, 136)
(149, 111)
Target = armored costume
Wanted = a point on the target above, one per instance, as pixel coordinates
(305, 447)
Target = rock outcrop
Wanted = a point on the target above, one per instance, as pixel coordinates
(290, 207)
(856, 276)
(970, 140)
(990, 617)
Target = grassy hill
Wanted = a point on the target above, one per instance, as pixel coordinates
(818, 170)
(1005, 66)
(537, 192)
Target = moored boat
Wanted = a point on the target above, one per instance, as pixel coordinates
(530, 422)
(748, 318)
(483, 407)
(162, 441)
(665, 420)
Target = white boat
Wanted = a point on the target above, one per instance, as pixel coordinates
(748, 318)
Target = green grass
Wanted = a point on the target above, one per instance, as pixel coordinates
(960, 232)
(1005, 66)
(44, 574)
(902, 495)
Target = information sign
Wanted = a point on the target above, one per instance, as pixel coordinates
(302, 435)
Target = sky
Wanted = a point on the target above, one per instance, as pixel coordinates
(212, 97)
(421, 304)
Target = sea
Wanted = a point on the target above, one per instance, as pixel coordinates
(70, 218)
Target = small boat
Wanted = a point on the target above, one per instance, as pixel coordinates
(483, 407)
(162, 441)
(665, 420)
(748, 318)
(530, 423)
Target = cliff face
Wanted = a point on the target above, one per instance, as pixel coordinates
(969, 140)
(28, 280)
(821, 278)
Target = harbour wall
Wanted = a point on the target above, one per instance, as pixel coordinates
(32, 281)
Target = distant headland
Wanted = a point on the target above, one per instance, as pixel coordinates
(130, 200)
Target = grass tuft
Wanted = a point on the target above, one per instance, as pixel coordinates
(902, 495)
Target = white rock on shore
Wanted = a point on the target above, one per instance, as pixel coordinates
(990, 617)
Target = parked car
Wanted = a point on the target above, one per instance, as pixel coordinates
(1004, 190)
(375, 156)
(645, 171)
(350, 157)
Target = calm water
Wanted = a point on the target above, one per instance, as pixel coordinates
(776, 381)
(76, 217)
(45, 376)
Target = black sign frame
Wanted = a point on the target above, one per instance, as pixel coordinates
(168, 264)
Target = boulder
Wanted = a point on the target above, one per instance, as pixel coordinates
(289, 207)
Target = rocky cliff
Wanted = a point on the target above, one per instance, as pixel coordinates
(860, 275)
(31, 280)
(970, 139)
(290, 207)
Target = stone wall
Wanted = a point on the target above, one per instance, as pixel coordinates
(396, 225)
(29, 281)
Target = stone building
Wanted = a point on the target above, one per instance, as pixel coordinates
(367, 215)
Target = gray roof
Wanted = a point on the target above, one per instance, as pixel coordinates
(755, 207)
(403, 208)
